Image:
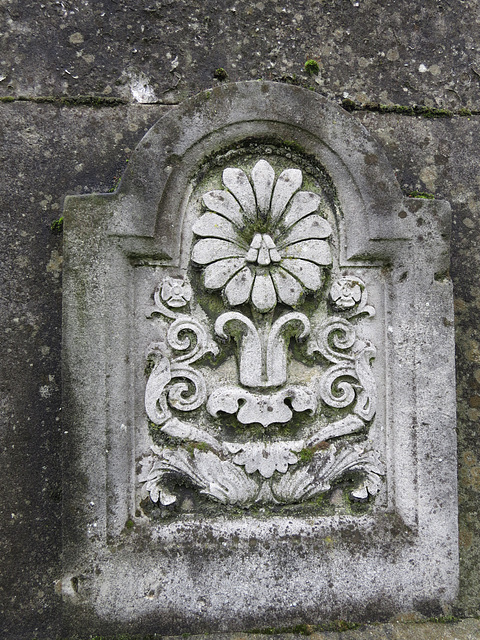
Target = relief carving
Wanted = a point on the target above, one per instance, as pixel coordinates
(263, 246)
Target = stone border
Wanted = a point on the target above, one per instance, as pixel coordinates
(405, 559)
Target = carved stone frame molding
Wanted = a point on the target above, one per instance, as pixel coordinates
(125, 572)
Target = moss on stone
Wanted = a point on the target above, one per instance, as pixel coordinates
(68, 101)
(312, 67)
(421, 194)
(406, 110)
(56, 226)
(220, 74)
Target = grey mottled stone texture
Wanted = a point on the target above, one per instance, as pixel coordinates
(151, 51)
(28, 589)
(50, 151)
(399, 553)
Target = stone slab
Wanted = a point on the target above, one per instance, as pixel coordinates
(128, 567)
(468, 629)
(435, 154)
(167, 51)
(64, 163)
(39, 166)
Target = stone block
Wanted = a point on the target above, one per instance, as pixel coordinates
(258, 378)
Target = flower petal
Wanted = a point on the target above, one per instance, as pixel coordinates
(303, 203)
(263, 177)
(317, 251)
(264, 296)
(212, 249)
(288, 182)
(225, 204)
(214, 226)
(263, 258)
(289, 288)
(220, 272)
(238, 289)
(309, 274)
(312, 226)
(237, 182)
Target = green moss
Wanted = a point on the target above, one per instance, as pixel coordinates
(436, 113)
(406, 110)
(116, 182)
(350, 105)
(421, 194)
(442, 620)
(200, 446)
(68, 101)
(129, 524)
(312, 67)
(91, 101)
(307, 629)
(56, 227)
(306, 455)
(220, 74)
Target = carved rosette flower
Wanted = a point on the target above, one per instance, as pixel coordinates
(176, 292)
(262, 239)
(346, 292)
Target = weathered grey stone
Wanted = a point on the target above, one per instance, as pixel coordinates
(125, 570)
(163, 51)
(38, 169)
(86, 153)
(435, 150)
(458, 630)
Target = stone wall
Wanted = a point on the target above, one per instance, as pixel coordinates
(81, 82)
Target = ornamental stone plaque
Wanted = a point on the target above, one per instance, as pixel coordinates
(258, 378)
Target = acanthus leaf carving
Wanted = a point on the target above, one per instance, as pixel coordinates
(279, 479)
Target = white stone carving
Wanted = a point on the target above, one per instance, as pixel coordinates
(265, 458)
(263, 354)
(347, 383)
(349, 294)
(263, 242)
(183, 396)
(264, 409)
(235, 481)
(176, 292)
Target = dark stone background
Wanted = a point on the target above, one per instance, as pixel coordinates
(83, 80)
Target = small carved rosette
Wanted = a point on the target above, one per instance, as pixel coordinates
(263, 257)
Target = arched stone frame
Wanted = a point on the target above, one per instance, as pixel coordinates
(105, 235)
(369, 195)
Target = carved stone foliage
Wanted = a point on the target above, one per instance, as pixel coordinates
(265, 250)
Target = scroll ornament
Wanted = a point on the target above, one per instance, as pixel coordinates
(263, 243)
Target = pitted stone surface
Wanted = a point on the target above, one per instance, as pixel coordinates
(432, 149)
(155, 51)
(184, 361)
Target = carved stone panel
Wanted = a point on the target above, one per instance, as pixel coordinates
(258, 347)
(263, 371)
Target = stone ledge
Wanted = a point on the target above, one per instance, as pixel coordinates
(466, 629)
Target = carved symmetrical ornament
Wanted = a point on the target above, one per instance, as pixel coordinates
(264, 249)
